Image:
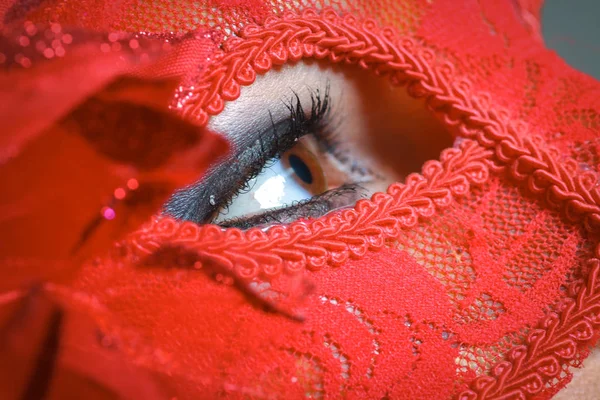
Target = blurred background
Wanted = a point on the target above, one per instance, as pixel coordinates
(572, 28)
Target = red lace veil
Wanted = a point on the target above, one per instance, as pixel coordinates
(476, 278)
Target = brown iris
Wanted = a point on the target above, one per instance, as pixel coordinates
(306, 169)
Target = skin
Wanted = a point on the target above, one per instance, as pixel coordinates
(585, 384)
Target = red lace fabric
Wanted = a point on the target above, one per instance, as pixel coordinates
(476, 278)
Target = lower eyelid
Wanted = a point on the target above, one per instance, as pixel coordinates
(312, 127)
(315, 207)
(330, 190)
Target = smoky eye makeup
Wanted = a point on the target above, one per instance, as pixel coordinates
(295, 167)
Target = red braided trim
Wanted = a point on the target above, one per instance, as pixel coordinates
(332, 239)
(559, 339)
(327, 35)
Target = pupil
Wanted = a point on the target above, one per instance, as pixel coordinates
(301, 169)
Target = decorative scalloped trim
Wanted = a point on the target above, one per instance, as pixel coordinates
(346, 39)
(332, 239)
(558, 339)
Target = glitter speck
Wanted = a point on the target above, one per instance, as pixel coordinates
(108, 213)
(30, 28)
(211, 200)
(133, 184)
(120, 193)
(48, 52)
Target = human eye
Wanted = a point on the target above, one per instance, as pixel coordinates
(302, 146)
(298, 169)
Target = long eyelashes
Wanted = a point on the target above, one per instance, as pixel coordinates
(283, 136)
(212, 198)
(202, 201)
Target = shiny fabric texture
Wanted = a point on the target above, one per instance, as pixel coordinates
(475, 278)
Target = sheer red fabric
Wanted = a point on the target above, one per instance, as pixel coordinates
(476, 278)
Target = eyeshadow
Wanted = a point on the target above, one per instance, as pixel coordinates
(201, 201)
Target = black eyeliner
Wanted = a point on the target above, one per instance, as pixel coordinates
(202, 201)
(314, 207)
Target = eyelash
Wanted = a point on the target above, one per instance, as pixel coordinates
(205, 200)
(301, 124)
(320, 125)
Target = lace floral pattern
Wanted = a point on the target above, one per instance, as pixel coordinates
(476, 278)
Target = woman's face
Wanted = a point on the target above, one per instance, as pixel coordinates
(308, 138)
(467, 260)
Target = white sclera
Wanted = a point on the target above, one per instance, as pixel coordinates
(274, 187)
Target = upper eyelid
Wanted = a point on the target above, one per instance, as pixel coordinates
(199, 193)
(319, 111)
(265, 159)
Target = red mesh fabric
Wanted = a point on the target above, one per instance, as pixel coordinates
(476, 278)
